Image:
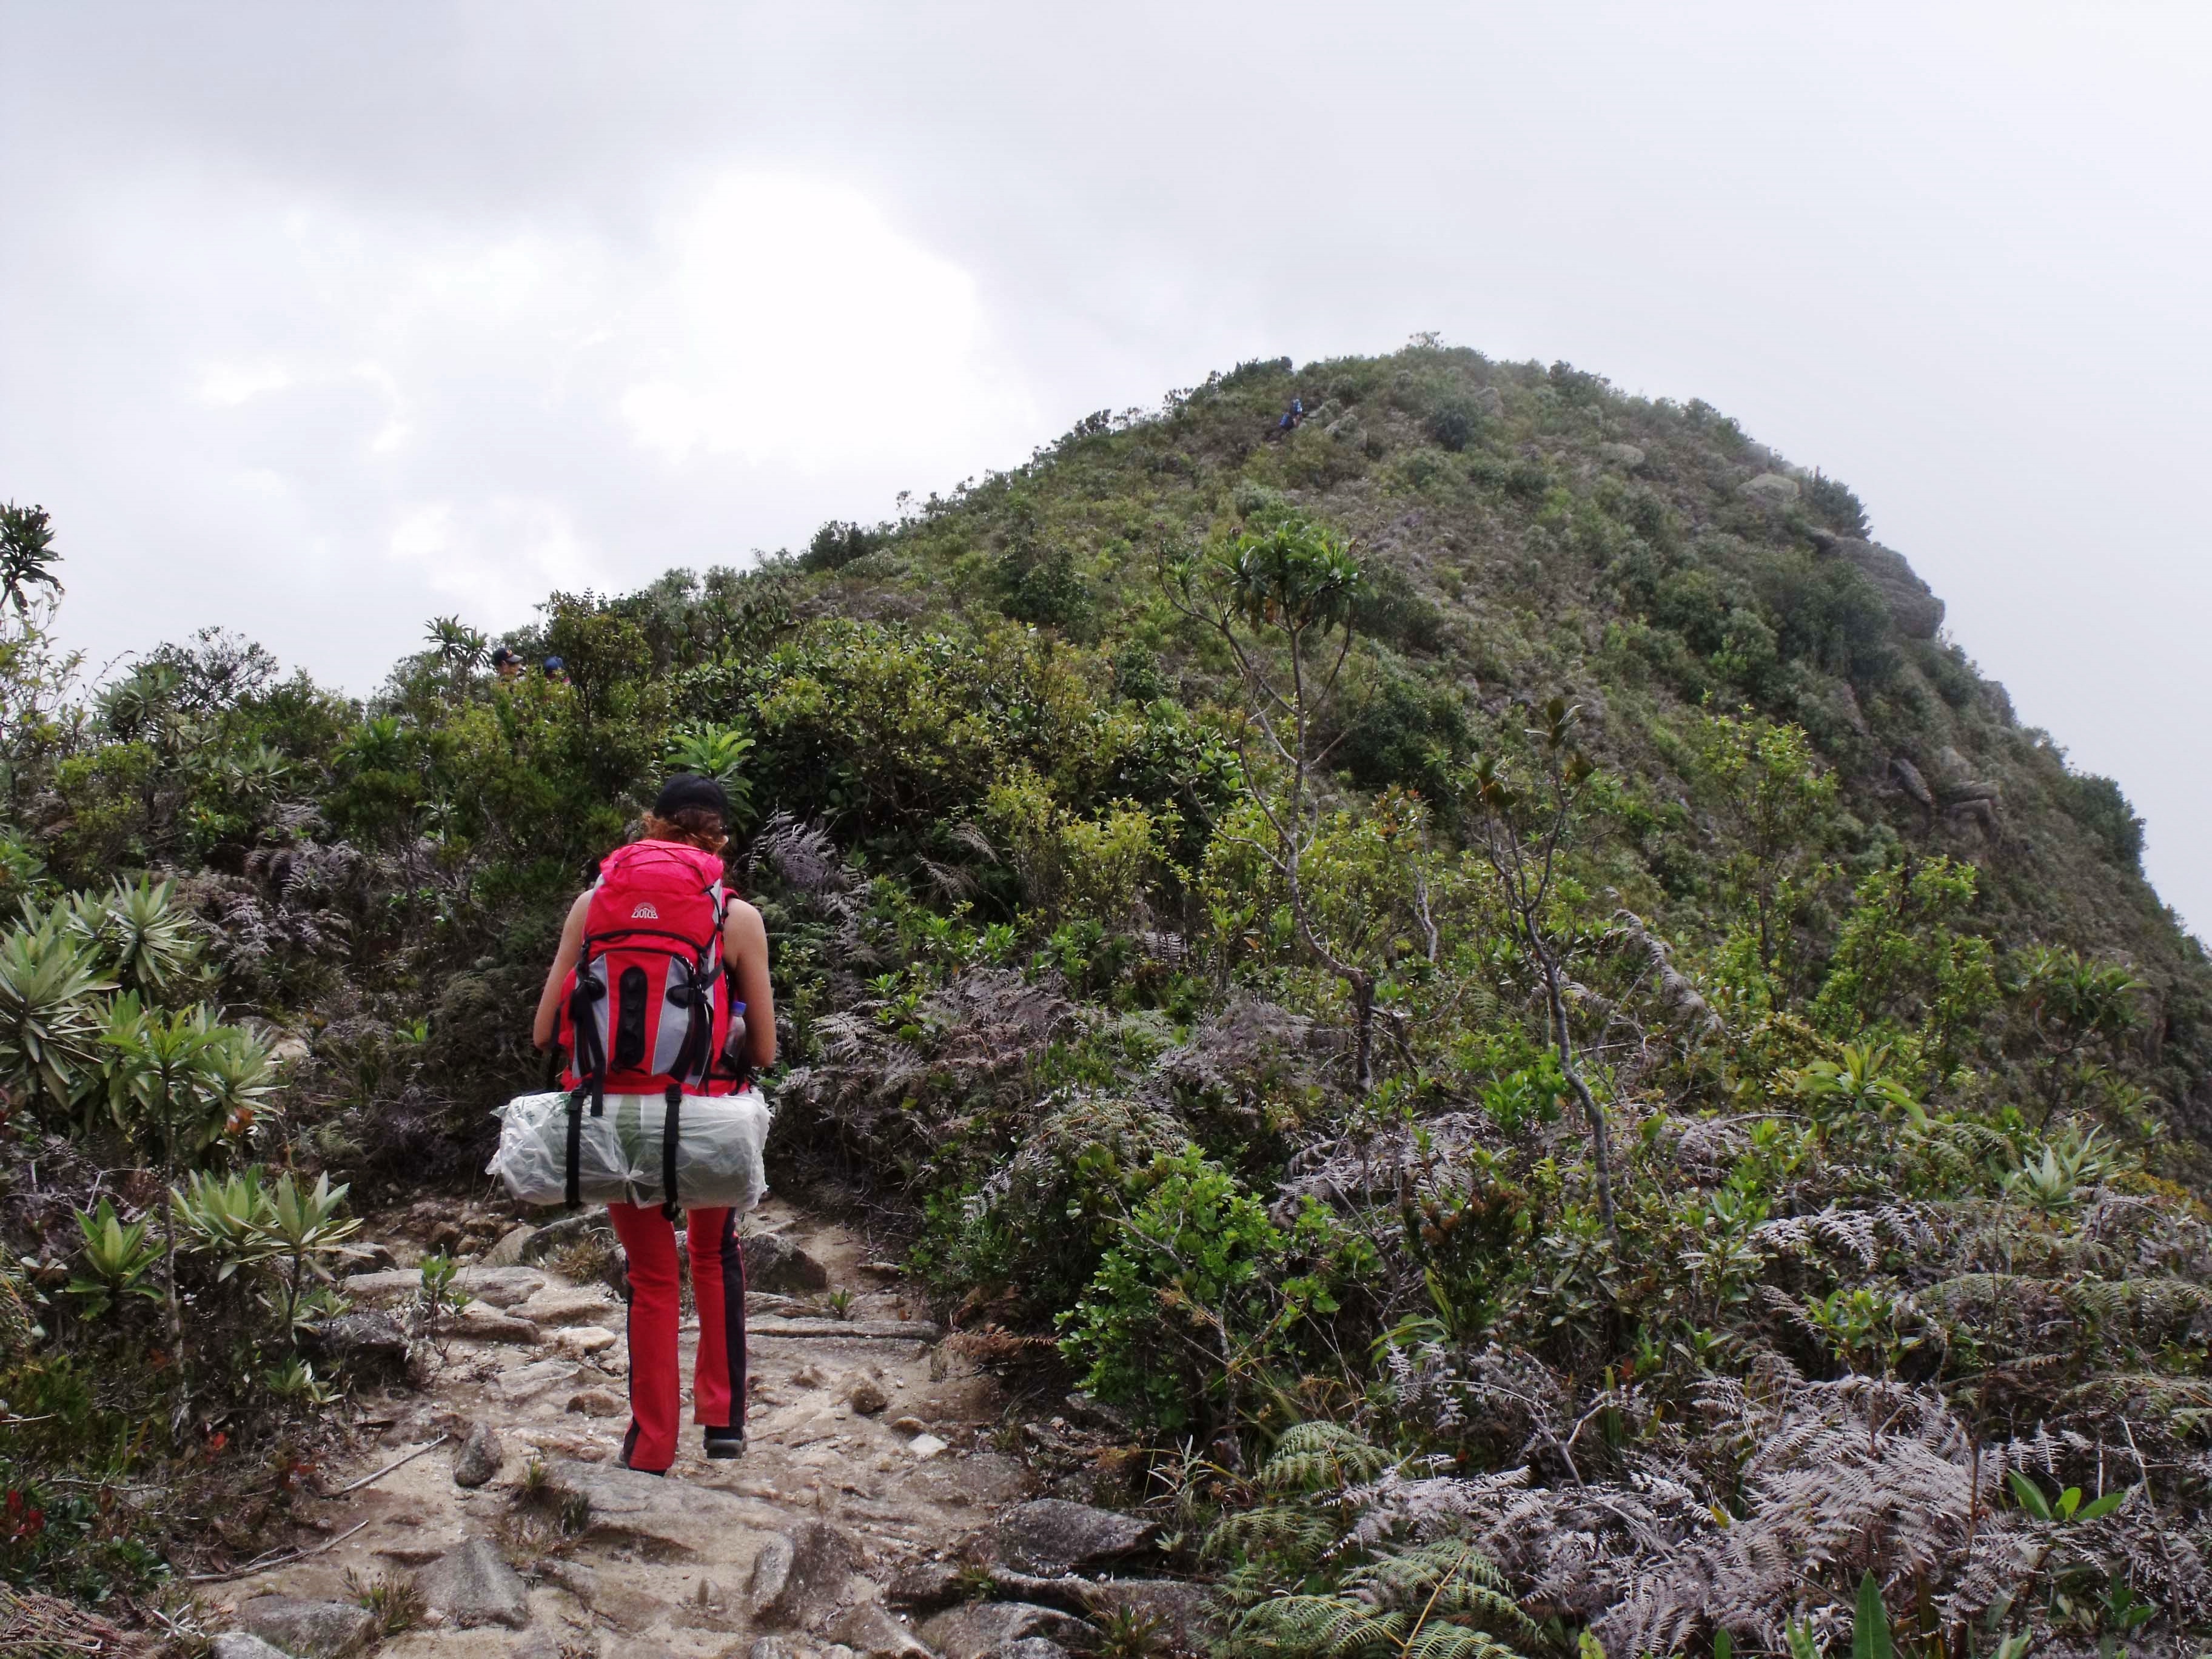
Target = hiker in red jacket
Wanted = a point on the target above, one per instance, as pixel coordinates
(673, 996)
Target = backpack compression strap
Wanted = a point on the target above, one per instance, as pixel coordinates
(671, 1135)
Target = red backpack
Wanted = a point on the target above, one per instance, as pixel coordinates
(644, 1010)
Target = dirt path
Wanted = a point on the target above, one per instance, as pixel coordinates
(870, 1458)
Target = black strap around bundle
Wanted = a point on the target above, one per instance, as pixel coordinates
(671, 1132)
(575, 1195)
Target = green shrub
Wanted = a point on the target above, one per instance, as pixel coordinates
(1831, 502)
(837, 544)
(2097, 805)
(1174, 1315)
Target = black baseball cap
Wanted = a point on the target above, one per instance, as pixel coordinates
(688, 789)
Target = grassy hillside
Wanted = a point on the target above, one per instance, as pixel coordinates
(1477, 974)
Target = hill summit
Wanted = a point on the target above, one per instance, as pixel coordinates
(1449, 960)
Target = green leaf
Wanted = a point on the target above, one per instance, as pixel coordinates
(1723, 1645)
(2099, 1508)
(1801, 1645)
(1871, 1627)
(2030, 1495)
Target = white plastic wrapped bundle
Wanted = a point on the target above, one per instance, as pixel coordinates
(618, 1153)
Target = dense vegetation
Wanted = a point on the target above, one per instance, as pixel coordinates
(1477, 971)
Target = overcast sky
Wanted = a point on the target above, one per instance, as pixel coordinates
(317, 320)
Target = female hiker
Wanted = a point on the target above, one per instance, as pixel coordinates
(632, 1019)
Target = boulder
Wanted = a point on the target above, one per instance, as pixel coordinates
(799, 1574)
(867, 1396)
(471, 1585)
(624, 1503)
(1489, 401)
(508, 1251)
(307, 1630)
(1053, 1535)
(597, 1402)
(480, 1458)
(975, 1629)
(773, 1262)
(870, 1631)
(1772, 489)
(237, 1644)
(364, 1343)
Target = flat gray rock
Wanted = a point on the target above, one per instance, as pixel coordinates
(483, 1322)
(908, 1330)
(799, 1574)
(978, 1628)
(500, 1286)
(473, 1586)
(565, 1305)
(1774, 488)
(673, 1513)
(307, 1630)
(869, 1629)
(528, 1382)
(981, 1477)
(508, 1252)
(237, 1644)
(1051, 1535)
(1032, 1647)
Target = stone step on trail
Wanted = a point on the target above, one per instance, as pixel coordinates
(874, 1330)
(678, 1517)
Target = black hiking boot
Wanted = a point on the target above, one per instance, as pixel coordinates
(725, 1443)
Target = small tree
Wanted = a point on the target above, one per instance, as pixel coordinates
(1776, 800)
(1523, 833)
(1281, 598)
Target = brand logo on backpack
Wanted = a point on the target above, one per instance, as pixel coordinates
(645, 912)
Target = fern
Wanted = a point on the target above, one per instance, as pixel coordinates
(1442, 1600)
(1312, 1457)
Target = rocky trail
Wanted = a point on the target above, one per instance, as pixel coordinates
(874, 1512)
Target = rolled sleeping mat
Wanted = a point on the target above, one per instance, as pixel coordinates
(554, 1149)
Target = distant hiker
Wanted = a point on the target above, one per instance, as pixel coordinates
(1293, 417)
(507, 664)
(556, 671)
(646, 1006)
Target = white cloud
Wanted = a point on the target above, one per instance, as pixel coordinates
(796, 325)
(481, 554)
(226, 386)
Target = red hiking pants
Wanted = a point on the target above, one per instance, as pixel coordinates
(718, 1286)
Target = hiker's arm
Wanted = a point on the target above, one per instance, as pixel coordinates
(548, 1023)
(745, 945)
